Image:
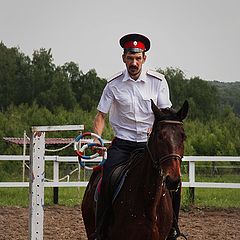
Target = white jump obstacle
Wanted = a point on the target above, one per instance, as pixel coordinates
(37, 175)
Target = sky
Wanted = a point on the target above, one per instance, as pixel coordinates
(200, 37)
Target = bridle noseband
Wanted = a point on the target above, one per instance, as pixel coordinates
(161, 160)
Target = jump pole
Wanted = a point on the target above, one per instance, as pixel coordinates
(37, 175)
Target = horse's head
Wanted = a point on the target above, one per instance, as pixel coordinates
(166, 143)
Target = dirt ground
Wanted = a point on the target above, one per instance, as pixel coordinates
(66, 223)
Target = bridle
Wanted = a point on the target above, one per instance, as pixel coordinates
(158, 162)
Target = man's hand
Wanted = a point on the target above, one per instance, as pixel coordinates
(97, 149)
(149, 130)
(98, 126)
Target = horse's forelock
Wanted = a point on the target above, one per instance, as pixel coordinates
(167, 114)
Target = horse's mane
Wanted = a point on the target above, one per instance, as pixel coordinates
(168, 110)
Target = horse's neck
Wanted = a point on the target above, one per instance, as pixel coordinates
(153, 189)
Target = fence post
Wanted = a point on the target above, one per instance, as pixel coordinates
(36, 186)
(55, 179)
(24, 154)
(191, 181)
(37, 176)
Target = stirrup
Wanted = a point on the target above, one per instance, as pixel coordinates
(176, 234)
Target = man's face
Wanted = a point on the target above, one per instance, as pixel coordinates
(134, 62)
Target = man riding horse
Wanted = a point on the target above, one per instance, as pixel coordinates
(127, 97)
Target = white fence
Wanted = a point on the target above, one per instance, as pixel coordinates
(192, 171)
(57, 160)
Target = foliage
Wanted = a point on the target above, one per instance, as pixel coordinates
(86, 87)
(25, 80)
(34, 91)
(16, 119)
(229, 94)
(202, 97)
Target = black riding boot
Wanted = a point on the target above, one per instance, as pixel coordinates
(100, 214)
(176, 201)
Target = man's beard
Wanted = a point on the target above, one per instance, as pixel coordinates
(135, 71)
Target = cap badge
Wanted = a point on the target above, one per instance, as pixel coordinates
(135, 43)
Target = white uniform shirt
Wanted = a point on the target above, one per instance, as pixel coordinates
(129, 103)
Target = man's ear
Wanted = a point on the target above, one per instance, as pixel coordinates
(144, 58)
(123, 58)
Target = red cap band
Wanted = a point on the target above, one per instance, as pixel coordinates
(134, 44)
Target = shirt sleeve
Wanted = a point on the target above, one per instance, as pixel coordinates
(163, 100)
(105, 100)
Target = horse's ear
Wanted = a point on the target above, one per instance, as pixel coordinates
(182, 113)
(157, 112)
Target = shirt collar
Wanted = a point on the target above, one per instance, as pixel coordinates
(142, 76)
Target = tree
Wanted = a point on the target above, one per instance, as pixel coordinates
(59, 93)
(205, 97)
(88, 89)
(8, 68)
(177, 85)
(42, 73)
(23, 80)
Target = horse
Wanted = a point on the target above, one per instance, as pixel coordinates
(143, 208)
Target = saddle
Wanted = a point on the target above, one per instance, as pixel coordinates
(118, 176)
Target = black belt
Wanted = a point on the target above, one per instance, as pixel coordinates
(127, 141)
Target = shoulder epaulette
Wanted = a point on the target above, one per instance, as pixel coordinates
(156, 74)
(115, 76)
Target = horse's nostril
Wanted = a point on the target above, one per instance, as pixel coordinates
(172, 184)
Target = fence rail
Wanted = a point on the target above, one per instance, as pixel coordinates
(192, 183)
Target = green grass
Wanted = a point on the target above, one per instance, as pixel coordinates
(226, 178)
(221, 198)
(212, 197)
(14, 197)
(72, 196)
